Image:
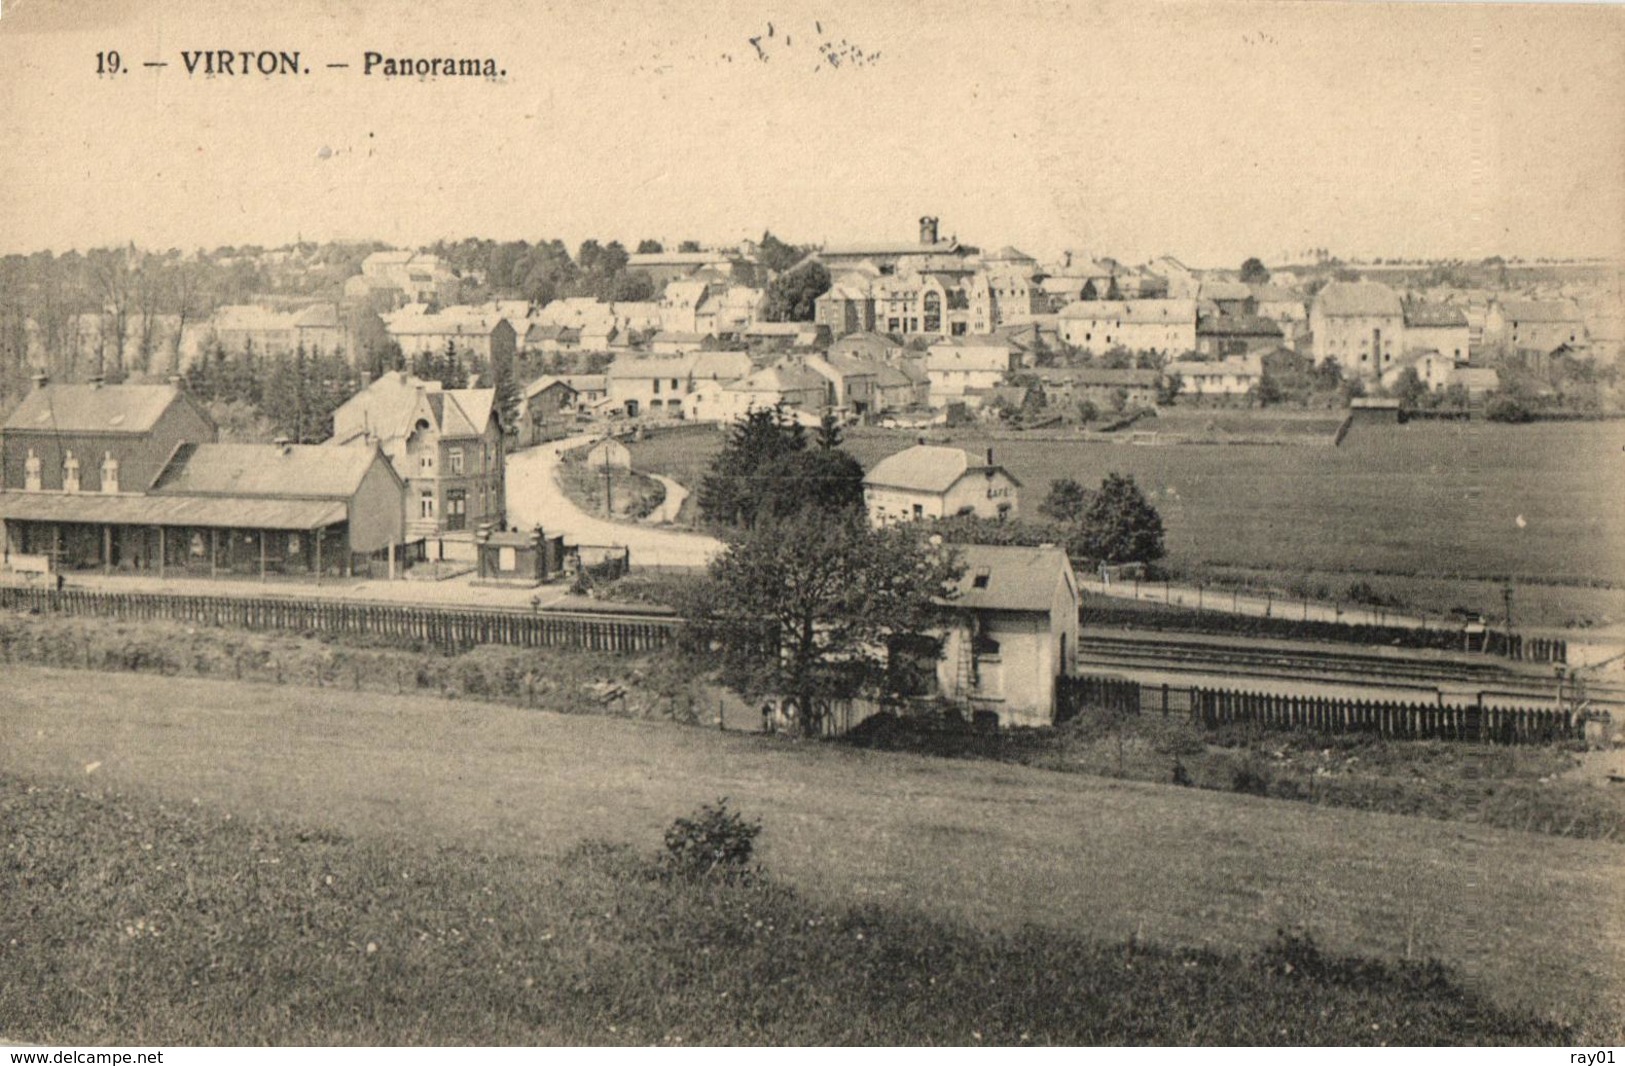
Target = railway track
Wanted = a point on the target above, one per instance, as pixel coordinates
(1096, 649)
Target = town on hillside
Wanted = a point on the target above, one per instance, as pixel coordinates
(474, 421)
(839, 525)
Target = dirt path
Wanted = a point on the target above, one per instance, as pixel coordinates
(535, 498)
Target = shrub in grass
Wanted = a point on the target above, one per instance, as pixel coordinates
(1250, 780)
(712, 842)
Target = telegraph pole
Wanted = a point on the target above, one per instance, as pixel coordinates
(1506, 595)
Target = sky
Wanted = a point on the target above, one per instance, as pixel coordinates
(1210, 131)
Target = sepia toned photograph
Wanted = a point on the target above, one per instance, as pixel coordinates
(997, 524)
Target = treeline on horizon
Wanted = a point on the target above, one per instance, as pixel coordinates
(132, 287)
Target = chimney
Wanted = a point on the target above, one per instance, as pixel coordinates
(283, 445)
(97, 380)
(928, 230)
(990, 457)
(920, 441)
(41, 379)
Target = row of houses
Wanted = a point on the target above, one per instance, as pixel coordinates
(131, 479)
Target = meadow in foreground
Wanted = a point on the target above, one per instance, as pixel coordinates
(133, 922)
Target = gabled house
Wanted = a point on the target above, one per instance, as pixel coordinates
(790, 384)
(1011, 629)
(1235, 375)
(1106, 388)
(447, 445)
(165, 500)
(1439, 328)
(1236, 334)
(957, 364)
(469, 331)
(1535, 325)
(1361, 325)
(1163, 326)
(95, 438)
(929, 481)
(852, 380)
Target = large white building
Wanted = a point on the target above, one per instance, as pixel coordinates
(1360, 324)
(1163, 326)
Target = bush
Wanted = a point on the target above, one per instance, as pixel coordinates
(1507, 409)
(713, 842)
(1251, 781)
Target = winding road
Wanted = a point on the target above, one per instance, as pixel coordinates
(535, 498)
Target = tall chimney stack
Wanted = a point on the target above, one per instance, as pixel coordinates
(40, 379)
(928, 230)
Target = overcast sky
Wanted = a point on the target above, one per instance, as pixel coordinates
(1210, 131)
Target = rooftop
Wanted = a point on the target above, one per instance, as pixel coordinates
(1352, 299)
(926, 468)
(1009, 578)
(289, 471)
(93, 408)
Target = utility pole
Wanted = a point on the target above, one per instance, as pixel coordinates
(609, 510)
(1506, 594)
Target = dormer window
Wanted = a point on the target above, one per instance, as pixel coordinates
(109, 473)
(31, 472)
(70, 474)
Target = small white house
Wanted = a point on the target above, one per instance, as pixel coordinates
(928, 481)
(1013, 631)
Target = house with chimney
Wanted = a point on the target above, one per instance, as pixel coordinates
(931, 481)
(128, 479)
(447, 446)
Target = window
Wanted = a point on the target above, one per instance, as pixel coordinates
(425, 463)
(919, 511)
(31, 472)
(70, 474)
(294, 544)
(455, 457)
(109, 473)
(456, 508)
(426, 505)
(657, 386)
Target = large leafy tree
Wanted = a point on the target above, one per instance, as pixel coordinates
(1120, 525)
(803, 607)
(777, 255)
(793, 296)
(1065, 502)
(1254, 272)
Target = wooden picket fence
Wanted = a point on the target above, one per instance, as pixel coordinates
(1211, 708)
(451, 628)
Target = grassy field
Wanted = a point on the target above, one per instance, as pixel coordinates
(1434, 501)
(1529, 919)
(127, 921)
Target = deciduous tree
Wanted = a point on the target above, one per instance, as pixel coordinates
(803, 607)
(1120, 525)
